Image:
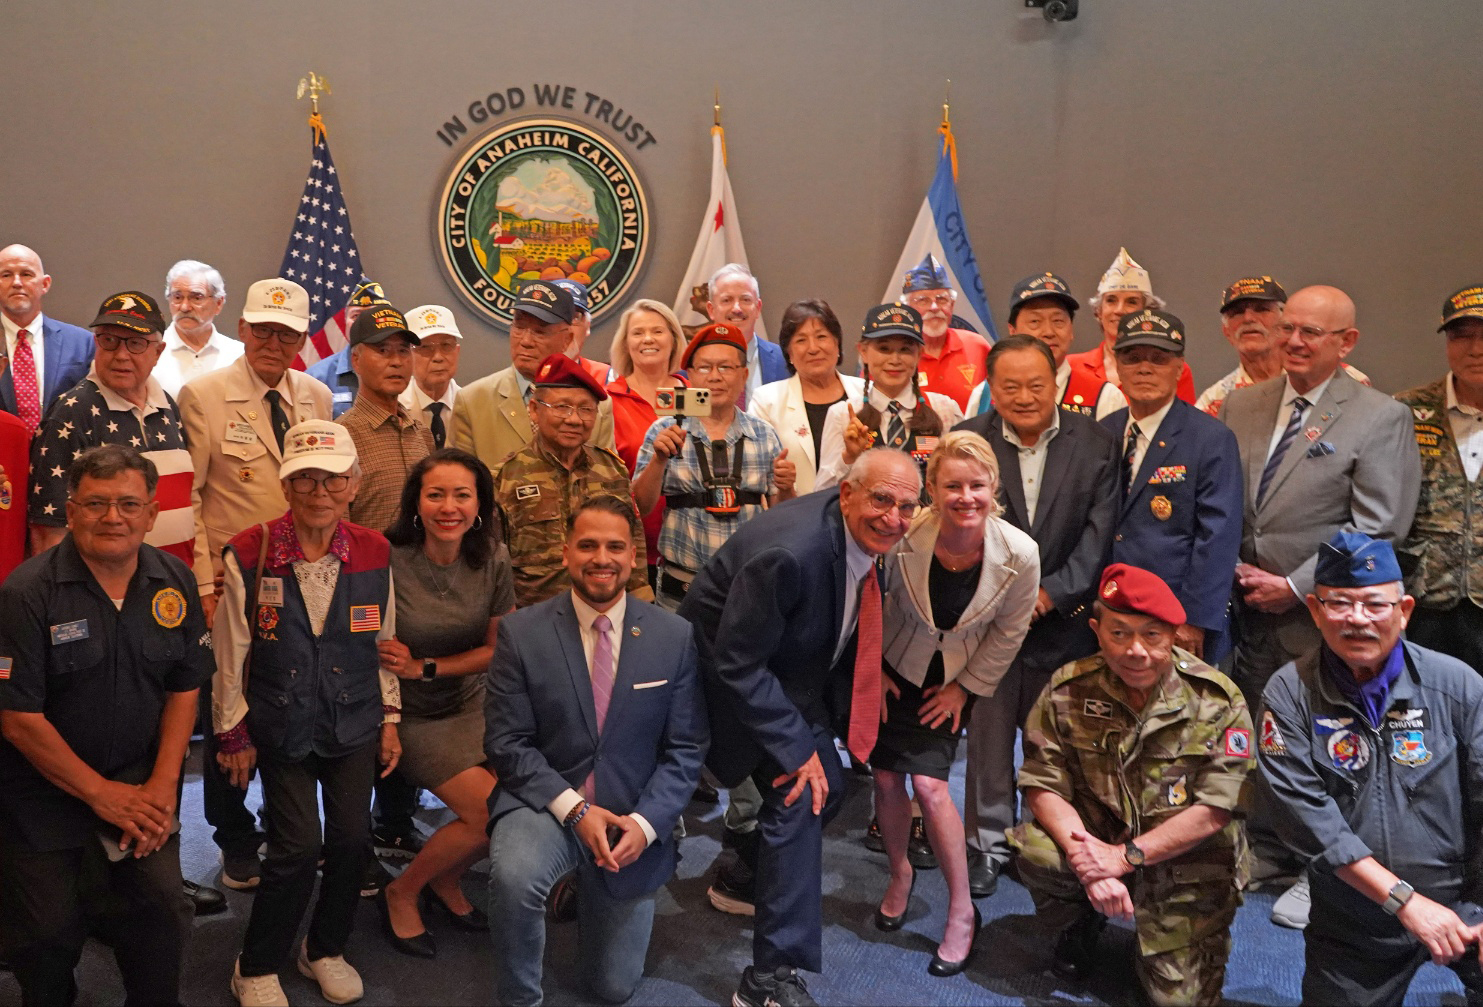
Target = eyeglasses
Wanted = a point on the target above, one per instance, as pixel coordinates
(128, 508)
(706, 370)
(193, 296)
(305, 485)
(285, 336)
(1308, 333)
(940, 300)
(1341, 608)
(427, 349)
(136, 344)
(883, 503)
(565, 411)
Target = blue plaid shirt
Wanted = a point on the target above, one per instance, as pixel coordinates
(689, 536)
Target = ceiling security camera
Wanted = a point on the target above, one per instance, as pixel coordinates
(1056, 10)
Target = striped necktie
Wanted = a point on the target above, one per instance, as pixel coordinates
(895, 429)
(1294, 423)
(1129, 451)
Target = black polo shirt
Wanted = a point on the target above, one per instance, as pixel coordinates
(99, 674)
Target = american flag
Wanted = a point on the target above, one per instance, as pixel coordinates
(321, 254)
(365, 618)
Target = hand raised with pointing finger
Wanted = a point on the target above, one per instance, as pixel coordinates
(857, 437)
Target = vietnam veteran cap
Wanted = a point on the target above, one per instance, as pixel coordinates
(1136, 591)
(561, 371)
(379, 323)
(132, 310)
(929, 274)
(1252, 288)
(1466, 303)
(1150, 328)
(892, 320)
(1047, 285)
(1353, 559)
(711, 335)
(550, 303)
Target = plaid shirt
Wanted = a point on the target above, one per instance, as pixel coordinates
(690, 536)
(388, 444)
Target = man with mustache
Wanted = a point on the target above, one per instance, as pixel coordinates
(1371, 755)
(194, 293)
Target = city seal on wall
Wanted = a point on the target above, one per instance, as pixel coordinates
(542, 199)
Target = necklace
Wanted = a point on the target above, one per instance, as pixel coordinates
(432, 575)
(953, 561)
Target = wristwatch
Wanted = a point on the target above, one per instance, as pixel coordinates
(1399, 896)
(1132, 854)
(429, 669)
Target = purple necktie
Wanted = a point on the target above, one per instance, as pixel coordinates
(602, 685)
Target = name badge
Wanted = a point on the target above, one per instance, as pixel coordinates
(344, 396)
(69, 632)
(271, 592)
(239, 432)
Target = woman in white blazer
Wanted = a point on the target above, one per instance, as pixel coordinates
(958, 594)
(813, 346)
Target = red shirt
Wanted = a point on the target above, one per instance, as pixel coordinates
(1092, 363)
(632, 418)
(15, 450)
(958, 369)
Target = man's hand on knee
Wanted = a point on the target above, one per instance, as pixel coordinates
(810, 774)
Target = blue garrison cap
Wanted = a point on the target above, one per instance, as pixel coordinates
(929, 274)
(578, 292)
(1353, 559)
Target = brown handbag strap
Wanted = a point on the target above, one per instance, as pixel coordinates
(257, 597)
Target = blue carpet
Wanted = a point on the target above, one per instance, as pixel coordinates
(697, 954)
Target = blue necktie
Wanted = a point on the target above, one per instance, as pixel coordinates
(1294, 422)
(895, 429)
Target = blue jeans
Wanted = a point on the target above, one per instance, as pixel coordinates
(529, 851)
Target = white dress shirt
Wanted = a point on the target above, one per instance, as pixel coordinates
(1467, 430)
(1284, 411)
(1148, 428)
(180, 362)
(832, 466)
(34, 337)
(857, 564)
(1032, 461)
(419, 404)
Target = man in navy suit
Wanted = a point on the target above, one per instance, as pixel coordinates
(736, 300)
(596, 731)
(1180, 483)
(776, 613)
(59, 354)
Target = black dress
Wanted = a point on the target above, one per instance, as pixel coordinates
(905, 744)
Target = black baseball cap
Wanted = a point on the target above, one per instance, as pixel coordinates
(892, 320)
(131, 309)
(1253, 288)
(1047, 285)
(377, 324)
(1466, 303)
(1150, 328)
(548, 302)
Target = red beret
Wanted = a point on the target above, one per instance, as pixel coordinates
(561, 371)
(714, 335)
(1137, 592)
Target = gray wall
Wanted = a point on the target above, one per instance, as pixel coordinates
(1323, 141)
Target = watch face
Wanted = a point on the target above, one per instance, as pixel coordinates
(1133, 854)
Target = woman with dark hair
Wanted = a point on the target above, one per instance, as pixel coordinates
(813, 346)
(893, 411)
(453, 583)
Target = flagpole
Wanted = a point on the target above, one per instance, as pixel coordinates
(314, 85)
(716, 129)
(949, 143)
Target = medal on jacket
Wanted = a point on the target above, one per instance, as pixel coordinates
(1161, 507)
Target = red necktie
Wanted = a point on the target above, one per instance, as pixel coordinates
(865, 696)
(23, 375)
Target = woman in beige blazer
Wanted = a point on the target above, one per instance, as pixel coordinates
(958, 595)
(812, 344)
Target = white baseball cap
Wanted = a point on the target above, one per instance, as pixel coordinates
(277, 300)
(317, 444)
(433, 319)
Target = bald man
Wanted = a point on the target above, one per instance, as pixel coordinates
(47, 357)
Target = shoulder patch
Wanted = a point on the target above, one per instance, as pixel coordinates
(1238, 742)
(1271, 742)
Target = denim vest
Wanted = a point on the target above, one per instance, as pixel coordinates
(316, 694)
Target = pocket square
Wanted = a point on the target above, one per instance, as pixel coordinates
(1319, 449)
(651, 685)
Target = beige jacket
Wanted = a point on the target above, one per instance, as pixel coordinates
(979, 650)
(229, 433)
(491, 421)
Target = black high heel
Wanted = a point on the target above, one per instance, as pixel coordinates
(944, 968)
(418, 946)
(475, 920)
(890, 924)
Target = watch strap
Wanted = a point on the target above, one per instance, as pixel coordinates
(1398, 897)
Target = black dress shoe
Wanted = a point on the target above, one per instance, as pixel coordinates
(891, 924)
(983, 876)
(204, 900)
(941, 967)
(873, 840)
(475, 919)
(1076, 946)
(705, 794)
(918, 849)
(418, 945)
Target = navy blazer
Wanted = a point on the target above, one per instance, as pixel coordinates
(541, 732)
(1074, 519)
(67, 356)
(1182, 518)
(767, 611)
(770, 359)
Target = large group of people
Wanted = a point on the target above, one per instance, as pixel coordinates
(571, 597)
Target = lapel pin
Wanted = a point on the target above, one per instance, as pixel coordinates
(634, 631)
(1325, 417)
(1161, 443)
(252, 416)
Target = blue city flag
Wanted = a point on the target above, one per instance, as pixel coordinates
(321, 255)
(941, 230)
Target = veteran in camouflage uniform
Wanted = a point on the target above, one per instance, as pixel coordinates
(1443, 554)
(1135, 764)
(539, 486)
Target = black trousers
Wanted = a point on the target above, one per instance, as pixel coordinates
(396, 802)
(291, 796)
(51, 902)
(225, 805)
(1457, 631)
(1346, 965)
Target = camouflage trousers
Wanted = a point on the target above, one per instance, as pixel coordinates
(1182, 913)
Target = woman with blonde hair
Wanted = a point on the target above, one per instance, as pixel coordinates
(959, 592)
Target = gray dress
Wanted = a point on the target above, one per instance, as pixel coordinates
(442, 611)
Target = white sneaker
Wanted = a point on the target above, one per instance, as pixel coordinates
(1292, 906)
(258, 991)
(339, 983)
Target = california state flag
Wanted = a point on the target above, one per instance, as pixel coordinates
(720, 242)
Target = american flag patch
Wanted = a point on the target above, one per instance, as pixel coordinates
(5, 664)
(365, 618)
